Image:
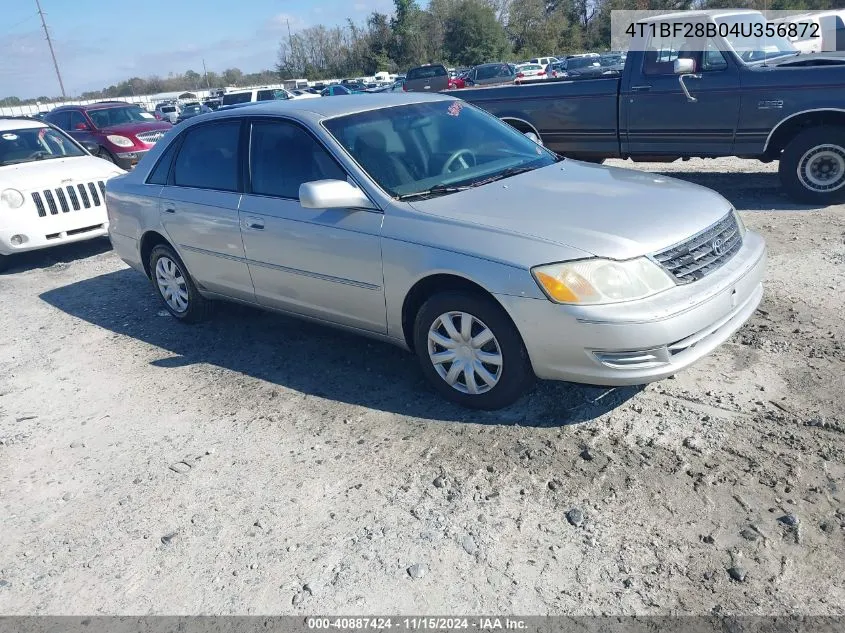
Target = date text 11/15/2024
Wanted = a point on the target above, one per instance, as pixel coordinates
(416, 623)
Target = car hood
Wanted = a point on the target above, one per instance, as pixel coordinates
(55, 172)
(607, 211)
(137, 128)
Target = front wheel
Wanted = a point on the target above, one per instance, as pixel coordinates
(106, 155)
(470, 351)
(175, 286)
(812, 166)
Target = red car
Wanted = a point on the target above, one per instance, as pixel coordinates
(458, 82)
(123, 131)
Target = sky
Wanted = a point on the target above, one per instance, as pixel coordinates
(101, 42)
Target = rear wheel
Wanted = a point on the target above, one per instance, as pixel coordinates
(812, 166)
(175, 286)
(470, 351)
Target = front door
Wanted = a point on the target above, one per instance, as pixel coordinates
(199, 209)
(661, 120)
(324, 263)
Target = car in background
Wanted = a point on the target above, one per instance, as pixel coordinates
(612, 62)
(581, 66)
(192, 109)
(494, 74)
(460, 80)
(425, 222)
(212, 103)
(396, 86)
(543, 61)
(339, 90)
(166, 112)
(124, 132)
(428, 78)
(52, 190)
(529, 72)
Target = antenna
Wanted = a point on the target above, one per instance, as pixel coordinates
(50, 44)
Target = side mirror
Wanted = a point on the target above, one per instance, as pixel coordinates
(92, 147)
(332, 194)
(81, 126)
(684, 66)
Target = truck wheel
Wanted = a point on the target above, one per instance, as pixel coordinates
(812, 166)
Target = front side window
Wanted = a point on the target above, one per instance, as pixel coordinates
(283, 156)
(76, 119)
(59, 119)
(661, 53)
(424, 148)
(35, 143)
(208, 158)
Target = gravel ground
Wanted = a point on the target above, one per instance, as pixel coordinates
(257, 464)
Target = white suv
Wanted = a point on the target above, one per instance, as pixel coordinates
(51, 188)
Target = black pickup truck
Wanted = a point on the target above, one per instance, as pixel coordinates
(679, 98)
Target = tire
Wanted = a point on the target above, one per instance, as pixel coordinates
(812, 166)
(106, 155)
(510, 377)
(169, 273)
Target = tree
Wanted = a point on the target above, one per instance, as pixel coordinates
(232, 76)
(473, 35)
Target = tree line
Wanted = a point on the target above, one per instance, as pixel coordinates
(456, 32)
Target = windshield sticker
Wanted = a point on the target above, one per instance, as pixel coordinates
(10, 137)
(146, 115)
(455, 108)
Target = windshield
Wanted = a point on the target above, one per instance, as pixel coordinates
(108, 117)
(36, 143)
(748, 37)
(192, 109)
(413, 149)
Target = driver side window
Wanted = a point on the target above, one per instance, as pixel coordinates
(661, 53)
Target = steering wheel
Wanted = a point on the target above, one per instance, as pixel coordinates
(459, 155)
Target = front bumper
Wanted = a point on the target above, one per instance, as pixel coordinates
(35, 238)
(641, 341)
(128, 160)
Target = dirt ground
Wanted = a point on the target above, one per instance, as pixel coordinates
(259, 465)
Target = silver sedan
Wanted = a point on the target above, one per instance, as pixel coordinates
(426, 222)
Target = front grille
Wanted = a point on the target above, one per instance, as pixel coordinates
(64, 199)
(703, 253)
(151, 138)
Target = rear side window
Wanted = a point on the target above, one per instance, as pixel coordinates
(237, 97)
(208, 158)
(59, 119)
(283, 156)
(158, 176)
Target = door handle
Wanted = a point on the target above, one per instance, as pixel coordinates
(640, 88)
(169, 210)
(254, 223)
(687, 94)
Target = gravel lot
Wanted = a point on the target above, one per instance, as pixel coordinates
(256, 464)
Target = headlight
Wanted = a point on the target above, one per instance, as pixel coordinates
(120, 141)
(12, 198)
(592, 281)
(739, 223)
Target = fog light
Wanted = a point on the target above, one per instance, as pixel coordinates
(17, 240)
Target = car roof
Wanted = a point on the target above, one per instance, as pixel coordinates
(19, 123)
(331, 107)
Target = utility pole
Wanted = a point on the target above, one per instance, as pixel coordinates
(52, 52)
(205, 71)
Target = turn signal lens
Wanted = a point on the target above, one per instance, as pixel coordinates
(596, 281)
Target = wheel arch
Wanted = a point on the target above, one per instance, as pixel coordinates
(432, 284)
(788, 128)
(149, 241)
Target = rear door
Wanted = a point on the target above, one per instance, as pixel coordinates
(655, 112)
(199, 208)
(323, 263)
